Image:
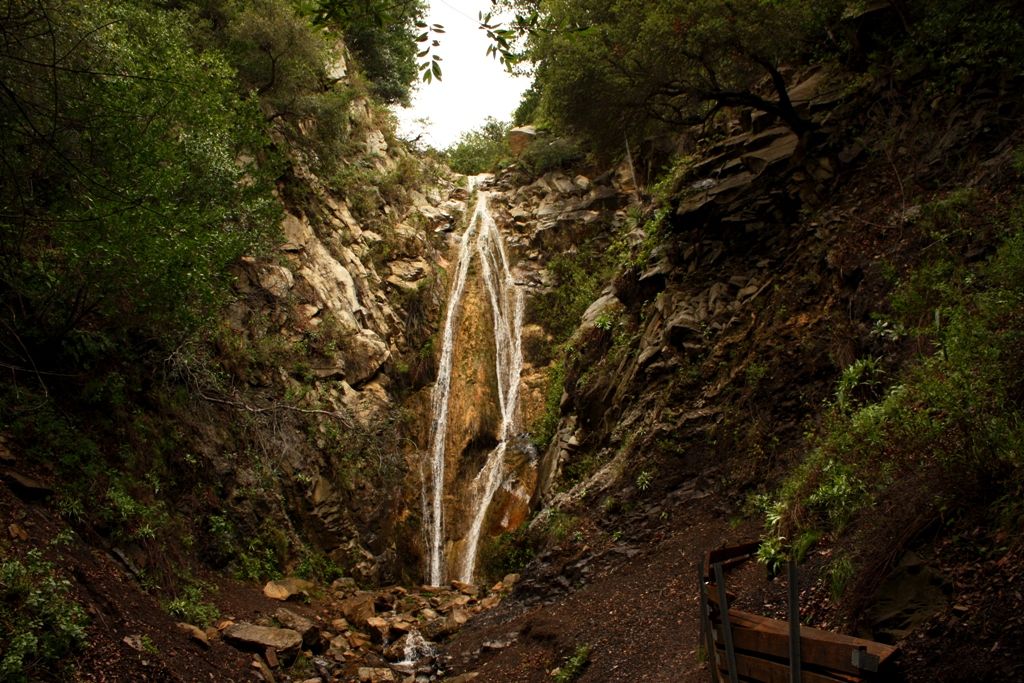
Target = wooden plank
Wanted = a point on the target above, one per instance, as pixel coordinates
(751, 668)
(730, 555)
(713, 597)
(822, 650)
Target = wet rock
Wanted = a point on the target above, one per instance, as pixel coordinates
(411, 647)
(445, 626)
(286, 589)
(284, 640)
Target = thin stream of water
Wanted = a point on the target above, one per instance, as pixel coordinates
(507, 305)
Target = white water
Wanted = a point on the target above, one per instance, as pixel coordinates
(507, 306)
(415, 649)
(439, 410)
(507, 311)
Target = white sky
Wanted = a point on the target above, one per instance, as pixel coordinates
(474, 86)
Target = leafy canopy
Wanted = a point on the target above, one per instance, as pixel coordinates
(610, 66)
(128, 180)
(386, 36)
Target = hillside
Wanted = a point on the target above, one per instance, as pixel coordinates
(287, 399)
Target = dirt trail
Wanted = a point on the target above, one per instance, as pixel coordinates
(639, 618)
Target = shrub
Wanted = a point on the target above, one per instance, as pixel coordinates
(543, 429)
(952, 426)
(548, 154)
(508, 553)
(574, 665)
(190, 607)
(480, 150)
(40, 625)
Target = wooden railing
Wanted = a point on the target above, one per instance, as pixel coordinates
(748, 647)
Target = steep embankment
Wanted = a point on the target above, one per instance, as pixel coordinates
(273, 441)
(707, 371)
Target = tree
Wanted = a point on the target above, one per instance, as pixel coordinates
(610, 66)
(385, 35)
(128, 178)
(479, 150)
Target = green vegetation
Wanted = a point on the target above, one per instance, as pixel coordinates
(574, 665)
(40, 623)
(384, 35)
(190, 607)
(257, 558)
(543, 429)
(948, 431)
(508, 553)
(579, 276)
(481, 150)
(125, 193)
(609, 69)
(598, 74)
(318, 567)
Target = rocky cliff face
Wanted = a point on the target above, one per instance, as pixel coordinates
(325, 348)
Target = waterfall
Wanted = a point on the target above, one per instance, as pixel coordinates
(507, 305)
(439, 411)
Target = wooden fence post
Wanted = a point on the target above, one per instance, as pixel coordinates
(723, 606)
(705, 626)
(794, 625)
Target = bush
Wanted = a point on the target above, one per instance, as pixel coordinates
(548, 154)
(480, 150)
(951, 428)
(127, 192)
(190, 607)
(40, 625)
(543, 429)
(506, 554)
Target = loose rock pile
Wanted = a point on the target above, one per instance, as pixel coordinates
(355, 635)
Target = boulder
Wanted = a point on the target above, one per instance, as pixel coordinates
(284, 640)
(197, 634)
(779, 151)
(25, 486)
(286, 589)
(465, 588)
(375, 675)
(358, 609)
(379, 628)
(520, 138)
(407, 274)
(300, 624)
(365, 354)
